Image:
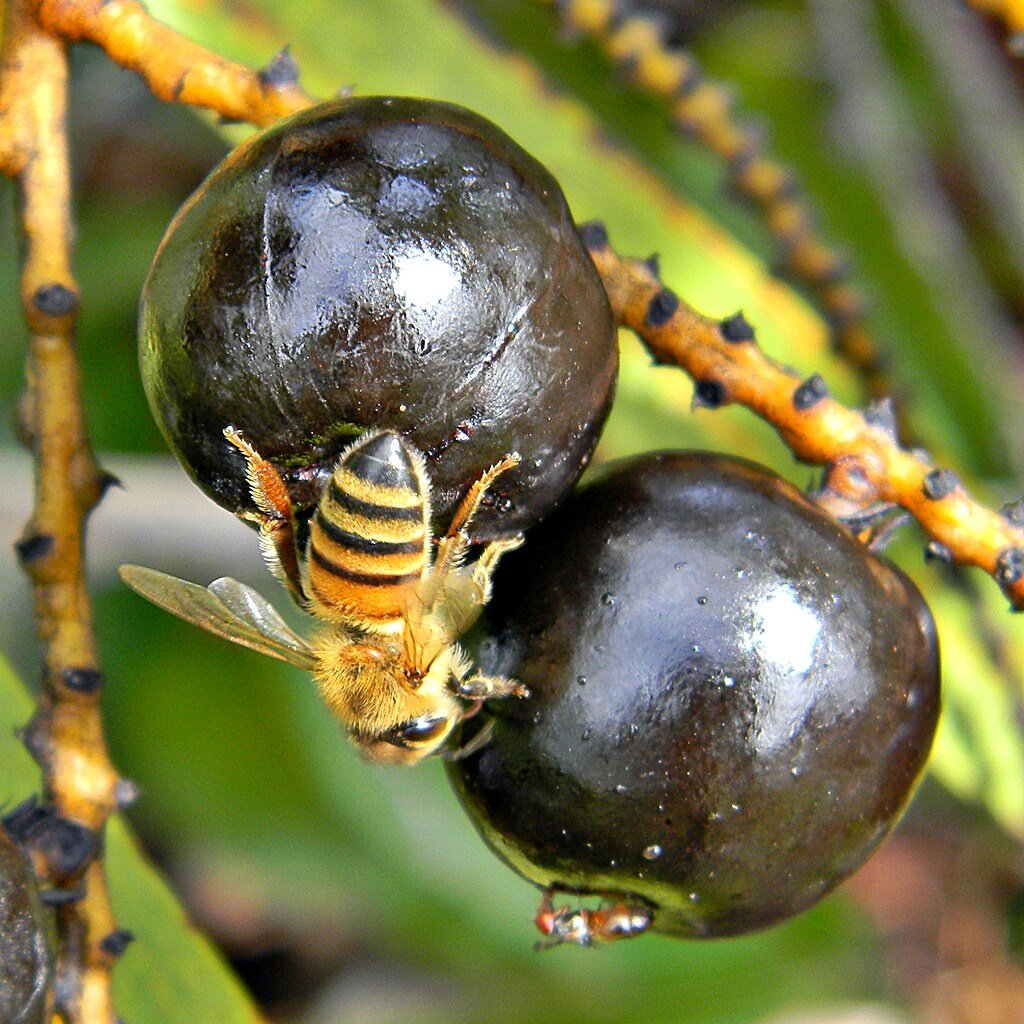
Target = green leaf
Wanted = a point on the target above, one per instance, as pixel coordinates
(979, 750)
(170, 974)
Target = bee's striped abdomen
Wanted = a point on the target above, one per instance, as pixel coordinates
(368, 541)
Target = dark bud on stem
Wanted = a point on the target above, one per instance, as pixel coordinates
(736, 329)
(692, 79)
(282, 71)
(108, 480)
(940, 483)
(117, 942)
(936, 552)
(126, 793)
(55, 300)
(708, 394)
(61, 897)
(67, 846)
(83, 680)
(810, 393)
(594, 235)
(20, 822)
(1014, 512)
(882, 414)
(662, 308)
(1009, 566)
(32, 549)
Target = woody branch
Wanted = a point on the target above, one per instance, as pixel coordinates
(704, 110)
(176, 69)
(81, 787)
(865, 461)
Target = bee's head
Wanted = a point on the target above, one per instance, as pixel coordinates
(411, 741)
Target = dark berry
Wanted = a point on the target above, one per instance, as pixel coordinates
(381, 263)
(25, 958)
(731, 700)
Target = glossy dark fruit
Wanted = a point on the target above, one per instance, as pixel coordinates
(381, 263)
(731, 699)
(25, 959)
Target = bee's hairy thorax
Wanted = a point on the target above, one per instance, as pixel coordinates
(365, 693)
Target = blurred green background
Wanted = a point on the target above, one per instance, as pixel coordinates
(343, 893)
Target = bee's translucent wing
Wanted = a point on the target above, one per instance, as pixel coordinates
(439, 613)
(458, 603)
(248, 605)
(227, 608)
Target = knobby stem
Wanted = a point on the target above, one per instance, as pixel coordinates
(65, 734)
(865, 461)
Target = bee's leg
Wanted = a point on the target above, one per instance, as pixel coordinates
(481, 687)
(471, 502)
(484, 566)
(477, 743)
(275, 519)
(450, 554)
(451, 551)
(453, 546)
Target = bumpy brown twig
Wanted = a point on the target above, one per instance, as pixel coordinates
(704, 109)
(81, 787)
(865, 462)
(175, 68)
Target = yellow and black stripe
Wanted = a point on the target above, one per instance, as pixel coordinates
(369, 540)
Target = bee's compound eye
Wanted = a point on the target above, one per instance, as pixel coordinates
(418, 732)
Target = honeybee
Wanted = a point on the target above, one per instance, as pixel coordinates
(386, 661)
